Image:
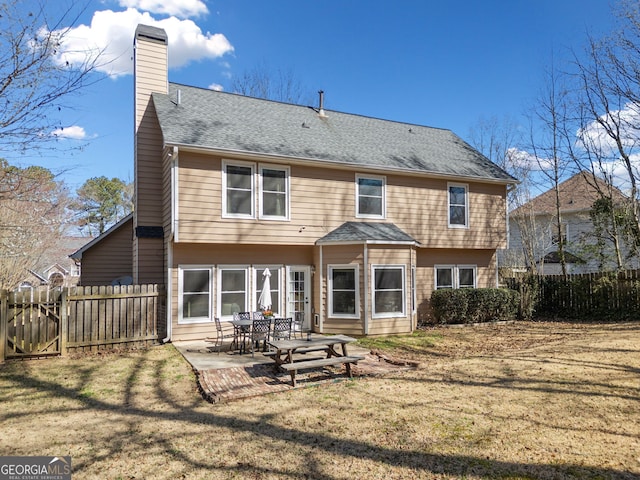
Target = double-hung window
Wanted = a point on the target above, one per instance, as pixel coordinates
(195, 285)
(343, 291)
(458, 205)
(370, 196)
(274, 194)
(455, 276)
(232, 290)
(388, 291)
(238, 187)
(274, 285)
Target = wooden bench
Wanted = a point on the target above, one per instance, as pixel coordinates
(320, 362)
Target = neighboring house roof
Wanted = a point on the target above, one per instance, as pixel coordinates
(576, 194)
(367, 232)
(225, 122)
(77, 255)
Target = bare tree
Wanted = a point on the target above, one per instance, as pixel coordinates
(609, 106)
(32, 218)
(35, 80)
(281, 85)
(550, 122)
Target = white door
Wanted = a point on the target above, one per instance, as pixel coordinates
(298, 298)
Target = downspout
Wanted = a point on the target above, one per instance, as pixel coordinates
(366, 289)
(323, 293)
(169, 292)
(173, 236)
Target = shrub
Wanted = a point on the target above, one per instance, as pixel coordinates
(474, 305)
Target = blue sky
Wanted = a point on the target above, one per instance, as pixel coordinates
(438, 63)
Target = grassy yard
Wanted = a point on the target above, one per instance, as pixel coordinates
(519, 401)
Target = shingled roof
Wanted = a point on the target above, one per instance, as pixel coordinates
(576, 194)
(225, 122)
(367, 232)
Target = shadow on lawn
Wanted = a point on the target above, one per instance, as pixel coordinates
(418, 462)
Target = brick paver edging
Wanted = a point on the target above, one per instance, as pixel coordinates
(225, 384)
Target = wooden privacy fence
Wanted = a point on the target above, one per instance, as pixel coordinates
(59, 321)
(606, 296)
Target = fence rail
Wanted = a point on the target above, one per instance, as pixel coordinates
(591, 296)
(78, 319)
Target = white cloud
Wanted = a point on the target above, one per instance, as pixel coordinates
(594, 135)
(521, 159)
(216, 86)
(111, 33)
(179, 8)
(74, 132)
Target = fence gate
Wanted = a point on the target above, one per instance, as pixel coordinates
(33, 323)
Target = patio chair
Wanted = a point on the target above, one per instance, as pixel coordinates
(221, 336)
(260, 333)
(242, 332)
(297, 325)
(281, 329)
(257, 315)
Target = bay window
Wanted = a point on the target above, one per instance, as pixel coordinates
(343, 291)
(388, 290)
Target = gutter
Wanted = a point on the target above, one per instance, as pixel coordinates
(338, 165)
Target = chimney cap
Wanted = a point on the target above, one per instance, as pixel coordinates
(151, 33)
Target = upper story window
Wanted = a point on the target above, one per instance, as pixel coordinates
(370, 196)
(238, 197)
(274, 194)
(458, 205)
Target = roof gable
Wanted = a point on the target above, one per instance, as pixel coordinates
(367, 232)
(576, 194)
(225, 122)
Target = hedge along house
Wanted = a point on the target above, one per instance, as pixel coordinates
(358, 219)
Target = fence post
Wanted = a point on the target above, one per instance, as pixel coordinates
(4, 301)
(64, 321)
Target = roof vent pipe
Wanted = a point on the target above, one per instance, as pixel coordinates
(178, 97)
(321, 107)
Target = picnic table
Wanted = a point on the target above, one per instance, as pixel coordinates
(285, 350)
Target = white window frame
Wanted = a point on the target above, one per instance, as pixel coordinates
(252, 166)
(181, 270)
(257, 286)
(466, 205)
(452, 268)
(475, 275)
(373, 291)
(287, 192)
(330, 269)
(383, 206)
(455, 276)
(247, 299)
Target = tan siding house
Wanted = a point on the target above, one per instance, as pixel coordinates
(357, 219)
